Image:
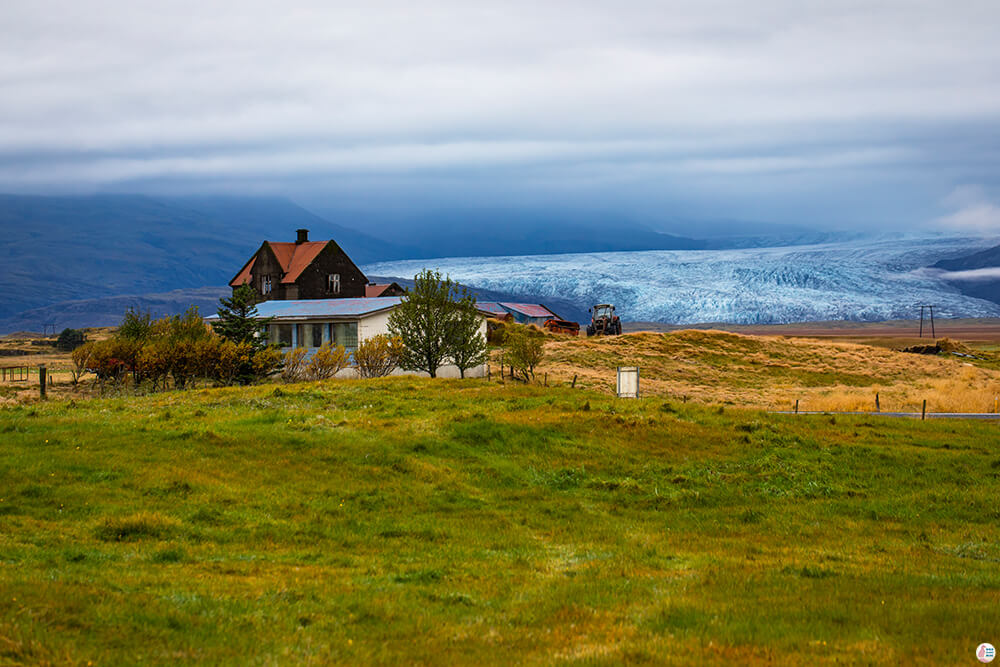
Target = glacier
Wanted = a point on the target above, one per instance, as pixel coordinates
(872, 279)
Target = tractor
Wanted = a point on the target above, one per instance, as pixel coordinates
(603, 321)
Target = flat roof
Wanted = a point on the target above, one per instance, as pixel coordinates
(316, 308)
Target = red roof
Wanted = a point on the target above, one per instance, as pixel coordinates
(293, 258)
(529, 309)
(374, 290)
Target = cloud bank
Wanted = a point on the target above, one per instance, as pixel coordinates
(721, 107)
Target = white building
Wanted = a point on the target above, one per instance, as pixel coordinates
(309, 323)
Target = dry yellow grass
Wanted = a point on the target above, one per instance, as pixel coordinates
(773, 372)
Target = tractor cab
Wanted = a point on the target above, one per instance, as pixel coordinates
(603, 321)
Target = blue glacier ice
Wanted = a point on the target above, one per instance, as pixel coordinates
(868, 280)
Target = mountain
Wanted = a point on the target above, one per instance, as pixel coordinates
(980, 283)
(108, 310)
(984, 259)
(864, 280)
(495, 232)
(55, 249)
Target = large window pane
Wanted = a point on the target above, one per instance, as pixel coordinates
(281, 334)
(346, 334)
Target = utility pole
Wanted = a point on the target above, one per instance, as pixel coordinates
(930, 309)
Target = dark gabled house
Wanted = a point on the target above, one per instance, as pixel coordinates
(302, 270)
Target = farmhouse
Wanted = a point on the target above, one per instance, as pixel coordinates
(309, 323)
(304, 270)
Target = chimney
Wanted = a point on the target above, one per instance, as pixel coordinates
(303, 236)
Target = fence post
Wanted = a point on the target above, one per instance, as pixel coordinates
(923, 412)
(546, 383)
(877, 407)
(41, 380)
(796, 406)
(573, 386)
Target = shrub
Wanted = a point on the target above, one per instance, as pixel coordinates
(81, 360)
(154, 362)
(327, 361)
(495, 331)
(267, 360)
(378, 356)
(235, 363)
(295, 365)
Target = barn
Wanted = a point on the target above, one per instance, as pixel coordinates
(522, 313)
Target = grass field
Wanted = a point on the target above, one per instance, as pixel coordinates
(773, 372)
(443, 522)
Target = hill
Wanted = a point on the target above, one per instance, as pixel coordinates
(109, 310)
(70, 248)
(982, 287)
(444, 522)
(979, 260)
(774, 372)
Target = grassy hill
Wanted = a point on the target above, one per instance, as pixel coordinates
(773, 372)
(444, 522)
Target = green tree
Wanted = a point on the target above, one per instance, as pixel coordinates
(135, 326)
(523, 349)
(238, 320)
(466, 343)
(427, 319)
(70, 339)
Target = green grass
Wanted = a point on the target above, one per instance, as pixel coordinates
(408, 520)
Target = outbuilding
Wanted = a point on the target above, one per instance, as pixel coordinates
(522, 313)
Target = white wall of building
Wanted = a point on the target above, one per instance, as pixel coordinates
(378, 323)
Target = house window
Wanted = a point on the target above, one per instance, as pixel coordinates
(314, 335)
(265, 284)
(281, 334)
(346, 334)
(333, 283)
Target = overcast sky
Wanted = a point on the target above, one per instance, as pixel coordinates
(830, 113)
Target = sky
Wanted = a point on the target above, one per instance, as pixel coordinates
(831, 114)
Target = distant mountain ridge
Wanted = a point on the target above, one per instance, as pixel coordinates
(984, 287)
(56, 249)
(499, 232)
(980, 260)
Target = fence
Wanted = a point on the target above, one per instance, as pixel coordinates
(14, 373)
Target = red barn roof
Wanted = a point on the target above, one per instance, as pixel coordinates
(529, 309)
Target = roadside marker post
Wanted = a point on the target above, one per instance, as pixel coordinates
(41, 381)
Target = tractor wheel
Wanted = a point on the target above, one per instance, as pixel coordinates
(590, 331)
(618, 328)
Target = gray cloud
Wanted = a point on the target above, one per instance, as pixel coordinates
(691, 103)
